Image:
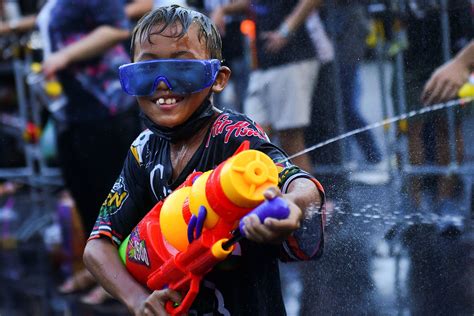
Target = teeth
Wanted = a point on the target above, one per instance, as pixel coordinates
(166, 101)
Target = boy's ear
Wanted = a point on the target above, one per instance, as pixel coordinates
(222, 79)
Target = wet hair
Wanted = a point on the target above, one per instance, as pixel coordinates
(168, 16)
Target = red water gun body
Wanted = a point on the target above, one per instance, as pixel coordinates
(183, 237)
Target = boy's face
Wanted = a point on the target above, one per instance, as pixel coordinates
(163, 107)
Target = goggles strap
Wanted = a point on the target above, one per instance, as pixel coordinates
(200, 117)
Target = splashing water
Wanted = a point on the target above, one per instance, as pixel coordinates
(427, 109)
(378, 215)
(372, 214)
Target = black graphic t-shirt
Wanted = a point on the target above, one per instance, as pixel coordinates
(247, 283)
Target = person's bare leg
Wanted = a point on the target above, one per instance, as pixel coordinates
(292, 141)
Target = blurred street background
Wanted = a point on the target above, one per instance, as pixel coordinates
(399, 229)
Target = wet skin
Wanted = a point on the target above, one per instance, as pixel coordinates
(167, 46)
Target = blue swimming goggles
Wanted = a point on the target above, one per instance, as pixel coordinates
(182, 76)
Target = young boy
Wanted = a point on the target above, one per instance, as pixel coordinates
(171, 48)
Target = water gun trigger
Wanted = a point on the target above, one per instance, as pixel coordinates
(196, 224)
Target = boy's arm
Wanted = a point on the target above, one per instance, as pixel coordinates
(102, 260)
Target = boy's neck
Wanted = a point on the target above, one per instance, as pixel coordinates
(181, 152)
(198, 120)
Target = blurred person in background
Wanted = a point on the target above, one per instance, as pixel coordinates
(279, 95)
(82, 49)
(351, 30)
(134, 9)
(428, 136)
(16, 17)
(445, 83)
(228, 15)
(433, 256)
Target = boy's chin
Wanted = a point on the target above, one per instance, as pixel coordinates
(168, 121)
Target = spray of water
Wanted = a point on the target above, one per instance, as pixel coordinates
(404, 116)
(377, 213)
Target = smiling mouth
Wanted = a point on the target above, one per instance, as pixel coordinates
(168, 100)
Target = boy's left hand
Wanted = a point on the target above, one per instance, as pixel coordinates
(273, 230)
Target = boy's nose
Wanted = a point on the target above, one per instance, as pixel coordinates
(163, 84)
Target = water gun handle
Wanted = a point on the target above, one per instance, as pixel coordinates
(276, 208)
(188, 299)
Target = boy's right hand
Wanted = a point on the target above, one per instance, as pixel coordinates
(154, 305)
(273, 230)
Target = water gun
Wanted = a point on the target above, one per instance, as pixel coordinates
(183, 237)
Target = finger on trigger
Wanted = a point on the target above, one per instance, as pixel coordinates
(172, 295)
(271, 193)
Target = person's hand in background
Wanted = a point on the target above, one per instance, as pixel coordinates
(447, 79)
(218, 17)
(445, 82)
(54, 63)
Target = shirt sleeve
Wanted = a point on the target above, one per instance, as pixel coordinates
(308, 241)
(108, 12)
(126, 204)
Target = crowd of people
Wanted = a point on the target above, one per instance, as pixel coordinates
(276, 74)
